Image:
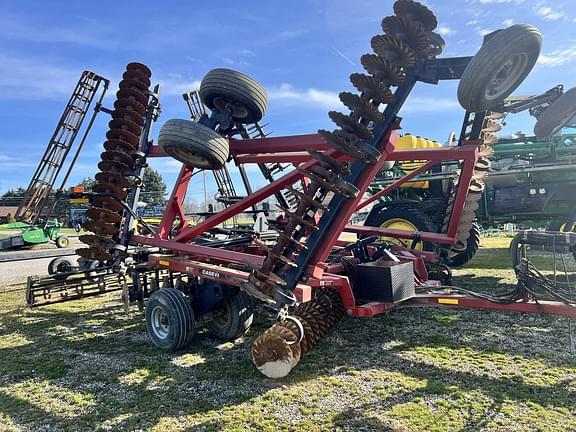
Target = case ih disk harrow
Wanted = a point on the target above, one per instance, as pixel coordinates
(304, 276)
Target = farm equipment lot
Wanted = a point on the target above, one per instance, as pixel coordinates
(86, 366)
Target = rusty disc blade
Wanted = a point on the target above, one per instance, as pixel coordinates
(117, 145)
(133, 84)
(101, 228)
(107, 203)
(126, 124)
(123, 113)
(114, 167)
(103, 215)
(115, 179)
(131, 105)
(117, 156)
(123, 135)
(138, 76)
(134, 94)
(135, 66)
(110, 188)
(94, 254)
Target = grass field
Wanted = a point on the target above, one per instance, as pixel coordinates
(87, 366)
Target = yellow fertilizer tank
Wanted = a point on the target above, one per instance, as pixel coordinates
(410, 142)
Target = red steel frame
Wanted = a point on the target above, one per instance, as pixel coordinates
(199, 260)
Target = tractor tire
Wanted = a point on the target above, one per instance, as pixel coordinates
(222, 87)
(556, 115)
(232, 317)
(60, 267)
(193, 144)
(62, 241)
(499, 67)
(472, 245)
(170, 319)
(405, 217)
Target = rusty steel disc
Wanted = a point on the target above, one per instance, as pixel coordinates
(115, 179)
(131, 105)
(386, 72)
(110, 188)
(136, 75)
(97, 240)
(393, 50)
(114, 167)
(361, 106)
(101, 228)
(125, 124)
(94, 254)
(135, 66)
(108, 203)
(372, 87)
(132, 94)
(410, 32)
(123, 113)
(133, 84)
(117, 145)
(351, 125)
(103, 215)
(416, 12)
(118, 156)
(123, 135)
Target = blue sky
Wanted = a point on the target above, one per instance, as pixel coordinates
(301, 51)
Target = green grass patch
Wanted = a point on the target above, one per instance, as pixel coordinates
(85, 365)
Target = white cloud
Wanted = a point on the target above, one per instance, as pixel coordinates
(176, 85)
(508, 22)
(287, 93)
(484, 32)
(548, 13)
(24, 78)
(444, 30)
(428, 105)
(558, 57)
(8, 163)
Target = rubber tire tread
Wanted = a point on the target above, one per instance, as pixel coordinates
(242, 307)
(472, 245)
(196, 138)
(58, 240)
(409, 213)
(488, 60)
(237, 87)
(180, 315)
(53, 266)
(548, 124)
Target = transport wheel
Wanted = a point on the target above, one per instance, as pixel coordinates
(499, 67)
(59, 267)
(62, 241)
(472, 245)
(89, 267)
(405, 218)
(556, 115)
(232, 317)
(193, 144)
(222, 88)
(169, 319)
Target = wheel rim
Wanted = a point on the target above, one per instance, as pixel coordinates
(63, 268)
(221, 314)
(238, 111)
(160, 323)
(508, 74)
(189, 158)
(402, 225)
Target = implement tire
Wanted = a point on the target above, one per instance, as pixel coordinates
(170, 319)
(499, 67)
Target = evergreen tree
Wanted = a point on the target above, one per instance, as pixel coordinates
(154, 189)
